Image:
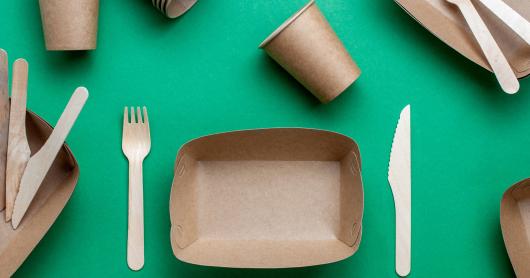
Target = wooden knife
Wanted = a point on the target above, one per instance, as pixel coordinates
(4, 122)
(399, 178)
(39, 164)
(18, 151)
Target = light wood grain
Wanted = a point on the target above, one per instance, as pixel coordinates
(136, 144)
(510, 17)
(4, 122)
(399, 177)
(491, 50)
(39, 164)
(18, 151)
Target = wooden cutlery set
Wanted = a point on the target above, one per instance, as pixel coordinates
(491, 50)
(24, 171)
(479, 30)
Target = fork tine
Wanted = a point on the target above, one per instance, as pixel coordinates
(146, 119)
(125, 116)
(133, 119)
(139, 114)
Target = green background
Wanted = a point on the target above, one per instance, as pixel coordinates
(203, 73)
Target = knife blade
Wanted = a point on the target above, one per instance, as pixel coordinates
(399, 178)
(39, 164)
(4, 122)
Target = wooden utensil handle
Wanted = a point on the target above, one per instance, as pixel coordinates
(64, 125)
(491, 50)
(514, 20)
(135, 234)
(403, 236)
(19, 88)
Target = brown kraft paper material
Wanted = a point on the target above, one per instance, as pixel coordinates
(70, 24)
(308, 48)
(267, 198)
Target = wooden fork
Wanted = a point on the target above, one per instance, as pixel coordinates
(136, 144)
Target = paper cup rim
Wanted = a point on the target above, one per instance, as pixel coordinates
(286, 24)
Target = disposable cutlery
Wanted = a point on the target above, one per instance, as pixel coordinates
(136, 144)
(39, 164)
(510, 17)
(399, 177)
(491, 50)
(18, 151)
(4, 122)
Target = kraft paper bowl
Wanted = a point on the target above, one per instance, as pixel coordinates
(308, 48)
(515, 224)
(70, 24)
(56, 189)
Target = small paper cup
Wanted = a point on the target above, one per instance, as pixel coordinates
(308, 48)
(70, 24)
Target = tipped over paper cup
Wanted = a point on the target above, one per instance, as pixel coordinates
(307, 47)
(173, 8)
(70, 24)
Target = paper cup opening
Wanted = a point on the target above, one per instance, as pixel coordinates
(286, 24)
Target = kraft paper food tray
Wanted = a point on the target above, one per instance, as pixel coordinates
(515, 223)
(56, 189)
(445, 21)
(267, 198)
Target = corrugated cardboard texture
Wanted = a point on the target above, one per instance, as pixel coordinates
(308, 48)
(445, 21)
(57, 187)
(70, 24)
(515, 223)
(267, 198)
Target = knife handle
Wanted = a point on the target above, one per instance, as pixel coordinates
(403, 235)
(64, 125)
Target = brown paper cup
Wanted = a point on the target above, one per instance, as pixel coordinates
(308, 48)
(176, 8)
(70, 24)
